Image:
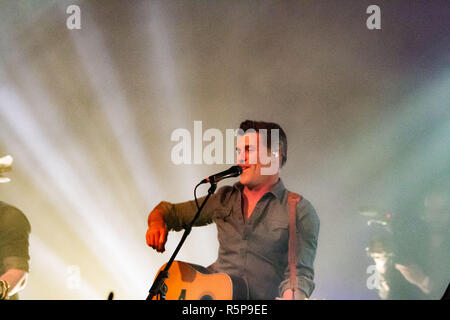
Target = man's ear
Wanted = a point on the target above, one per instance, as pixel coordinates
(277, 154)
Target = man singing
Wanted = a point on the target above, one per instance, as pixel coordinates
(252, 219)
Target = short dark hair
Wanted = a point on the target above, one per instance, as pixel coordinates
(269, 126)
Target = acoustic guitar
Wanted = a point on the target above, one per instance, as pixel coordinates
(189, 281)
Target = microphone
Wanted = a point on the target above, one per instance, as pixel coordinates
(234, 171)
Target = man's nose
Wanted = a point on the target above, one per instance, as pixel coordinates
(240, 158)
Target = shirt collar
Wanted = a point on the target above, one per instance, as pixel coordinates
(277, 189)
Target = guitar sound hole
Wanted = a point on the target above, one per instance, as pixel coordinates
(206, 297)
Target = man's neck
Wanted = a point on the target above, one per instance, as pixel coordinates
(255, 193)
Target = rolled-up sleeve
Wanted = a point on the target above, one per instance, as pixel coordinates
(308, 226)
(179, 215)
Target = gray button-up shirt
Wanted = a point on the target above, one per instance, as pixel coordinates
(257, 249)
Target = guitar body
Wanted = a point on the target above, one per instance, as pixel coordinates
(192, 282)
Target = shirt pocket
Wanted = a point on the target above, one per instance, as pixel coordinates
(278, 224)
(272, 241)
(278, 233)
(226, 225)
(222, 214)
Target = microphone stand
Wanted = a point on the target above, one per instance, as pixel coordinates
(159, 288)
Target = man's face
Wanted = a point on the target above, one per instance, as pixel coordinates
(251, 156)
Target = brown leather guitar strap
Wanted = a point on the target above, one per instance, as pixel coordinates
(293, 198)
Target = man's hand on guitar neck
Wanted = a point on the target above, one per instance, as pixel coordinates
(157, 231)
